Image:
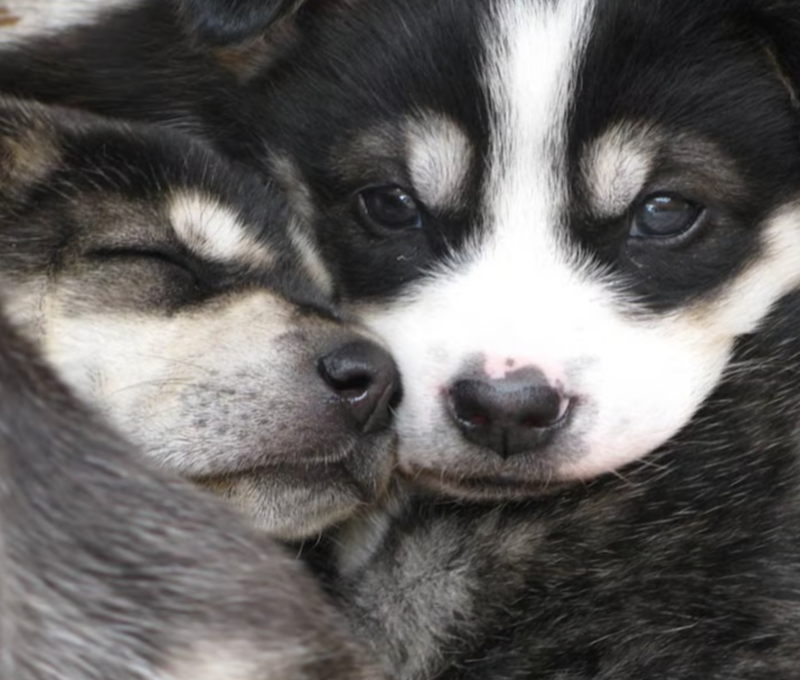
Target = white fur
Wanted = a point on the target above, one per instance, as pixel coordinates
(44, 16)
(138, 368)
(214, 231)
(439, 158)
(743, 305)
(236, 661)
(534, 56)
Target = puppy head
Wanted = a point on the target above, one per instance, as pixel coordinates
(559, 216)
(179, 297)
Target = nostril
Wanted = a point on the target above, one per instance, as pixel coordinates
(349, 382)
(470, 403)
(542, 407)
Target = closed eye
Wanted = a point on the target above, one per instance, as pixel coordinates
(163, 255)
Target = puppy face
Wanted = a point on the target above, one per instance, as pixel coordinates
(169, 291)
(560, 216)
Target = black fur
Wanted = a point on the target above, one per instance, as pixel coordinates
(308, 105)
(223, 22)
(144, 64)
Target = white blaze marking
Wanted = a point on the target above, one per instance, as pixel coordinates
(534, 56)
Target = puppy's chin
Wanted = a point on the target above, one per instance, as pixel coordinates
(298, 501)
(481, 488)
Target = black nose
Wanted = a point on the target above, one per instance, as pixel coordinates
(365, 378)
(512, 415)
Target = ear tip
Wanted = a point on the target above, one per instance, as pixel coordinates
(221, 23)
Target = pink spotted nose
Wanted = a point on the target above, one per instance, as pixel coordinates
(512, 415)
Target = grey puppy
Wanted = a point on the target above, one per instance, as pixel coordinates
(171, 291)
(111, 568)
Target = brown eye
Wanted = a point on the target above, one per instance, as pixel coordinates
(390, 207)
(664, 216)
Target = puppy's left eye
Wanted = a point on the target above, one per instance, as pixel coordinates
(390, 207)
(664, 216)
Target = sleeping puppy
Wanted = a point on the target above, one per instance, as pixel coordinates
(576, 225)
(175, 294)
(110, 568)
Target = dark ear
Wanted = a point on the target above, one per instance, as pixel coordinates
(223, 23)
(778, 25)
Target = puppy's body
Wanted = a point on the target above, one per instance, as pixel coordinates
(576, 224)
(112, 569)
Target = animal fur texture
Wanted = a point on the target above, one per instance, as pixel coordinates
(575, 225)
(112, 568)
(170, 291)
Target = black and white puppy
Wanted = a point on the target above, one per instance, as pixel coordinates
(173, 293)
(576, 224)
(561, 216)
(112, 569)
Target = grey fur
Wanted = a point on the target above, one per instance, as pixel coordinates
(110, 568)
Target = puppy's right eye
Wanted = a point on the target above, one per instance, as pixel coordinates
(389, 207)
(664, 217)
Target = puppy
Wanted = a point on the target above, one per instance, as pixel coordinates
(174, 293)
(110, 568)
(576, 225)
